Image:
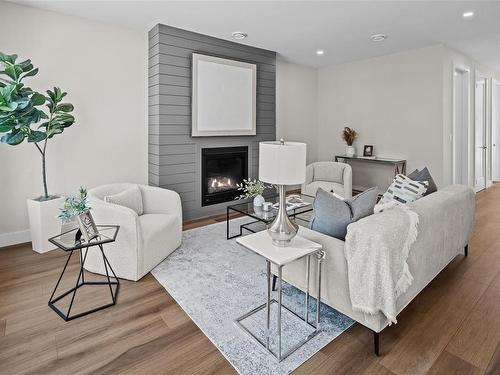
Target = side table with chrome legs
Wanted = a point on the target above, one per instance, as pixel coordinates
(261, 244)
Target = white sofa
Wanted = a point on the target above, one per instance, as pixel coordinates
(446, 220)
(330, 176)
(142, 241)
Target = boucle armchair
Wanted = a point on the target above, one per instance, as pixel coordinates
(143, 240)
(330, 176)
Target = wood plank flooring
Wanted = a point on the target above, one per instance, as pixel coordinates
(452, 327)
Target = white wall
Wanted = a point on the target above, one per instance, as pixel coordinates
(104, 70)
(394, 102)
(296, 105)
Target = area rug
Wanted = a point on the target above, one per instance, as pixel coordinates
(216, 281)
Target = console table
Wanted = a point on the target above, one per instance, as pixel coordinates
(399, 164)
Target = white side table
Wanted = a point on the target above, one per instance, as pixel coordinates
(300, 247)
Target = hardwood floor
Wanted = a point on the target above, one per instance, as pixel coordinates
(452, 327)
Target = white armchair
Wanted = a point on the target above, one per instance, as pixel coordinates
(144, 240)
(330, 176)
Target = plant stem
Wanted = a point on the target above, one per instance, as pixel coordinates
(44, 172)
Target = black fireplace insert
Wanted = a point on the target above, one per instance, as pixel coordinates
(221, 169)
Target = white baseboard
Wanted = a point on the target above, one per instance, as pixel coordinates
(14, 238)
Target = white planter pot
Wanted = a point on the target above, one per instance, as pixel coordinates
(350, 151)
(258, 200)
(44, 222)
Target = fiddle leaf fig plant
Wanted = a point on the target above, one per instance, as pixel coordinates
(22, 116)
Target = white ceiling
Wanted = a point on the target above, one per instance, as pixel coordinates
(295, 29)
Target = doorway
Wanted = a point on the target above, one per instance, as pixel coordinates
(480, 121)
(461, 114)
(495, 130)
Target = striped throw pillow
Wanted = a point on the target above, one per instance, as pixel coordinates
(404, 190)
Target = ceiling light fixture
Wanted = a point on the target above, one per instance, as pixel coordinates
(239, 35)
(320, 52)
(378, 37)
(468, 14)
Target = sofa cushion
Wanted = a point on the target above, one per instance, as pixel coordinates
(131, 198)
(328, 171)
(332, 215)
(404, 190)
(332, 187)
(424, 175)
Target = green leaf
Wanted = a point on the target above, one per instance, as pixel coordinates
(13, 138)
(37, 99)
(6, 128)
(8, 58)
(30, 73)
(65, 107)
(36, 136)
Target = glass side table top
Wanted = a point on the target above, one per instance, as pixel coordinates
(66, 241)
(268, 216)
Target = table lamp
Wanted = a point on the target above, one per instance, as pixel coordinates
(282, 163)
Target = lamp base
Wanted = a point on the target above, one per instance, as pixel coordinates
(282, 230)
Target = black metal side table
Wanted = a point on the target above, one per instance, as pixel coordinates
(66, 241)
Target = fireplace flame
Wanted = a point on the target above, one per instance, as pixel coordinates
(221, 183)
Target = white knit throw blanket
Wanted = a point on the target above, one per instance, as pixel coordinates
(376, 249)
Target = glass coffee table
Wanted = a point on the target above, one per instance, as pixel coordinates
(258, 215)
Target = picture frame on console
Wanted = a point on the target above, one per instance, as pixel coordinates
(368, 151)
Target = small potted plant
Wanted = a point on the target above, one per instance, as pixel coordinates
(252, 189)
(349, 136)
(23, 118)
(77, 206)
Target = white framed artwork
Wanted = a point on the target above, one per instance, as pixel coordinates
(223, 97)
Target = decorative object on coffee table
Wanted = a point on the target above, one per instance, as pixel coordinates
(368, 151)
(21, 118)
(349, 136)
(66, 242)
(252, 189)
(299, 248)
(282, 163)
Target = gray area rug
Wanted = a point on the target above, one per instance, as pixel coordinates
(216, 281)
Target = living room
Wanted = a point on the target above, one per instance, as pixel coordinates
(197, 157)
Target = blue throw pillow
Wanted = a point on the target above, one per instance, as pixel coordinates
(332, 215)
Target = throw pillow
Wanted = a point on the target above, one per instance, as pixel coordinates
(424, 175)
(404, 190)
(332, 215)
(131, 198)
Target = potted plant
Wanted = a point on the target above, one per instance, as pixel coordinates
(349, 136)
(76, 206)
(252, 189)
(22, 117)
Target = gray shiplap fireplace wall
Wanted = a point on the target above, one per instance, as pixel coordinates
(175, 156)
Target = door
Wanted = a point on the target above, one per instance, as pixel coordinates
(461, 105)
(480, 133)
(495, 131)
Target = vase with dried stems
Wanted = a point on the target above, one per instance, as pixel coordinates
(349, 136)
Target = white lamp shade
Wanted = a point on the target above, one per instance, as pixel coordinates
(282, 164)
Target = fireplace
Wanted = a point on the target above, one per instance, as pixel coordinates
(221, 169)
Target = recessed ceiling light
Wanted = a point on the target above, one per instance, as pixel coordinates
(467, 14)
(320, 52)
(239, 35)
(378, 37)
